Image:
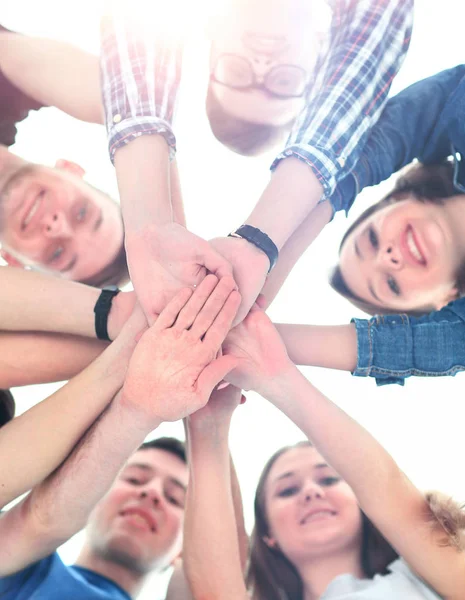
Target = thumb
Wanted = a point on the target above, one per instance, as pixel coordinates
(214, 373)
(215, 263)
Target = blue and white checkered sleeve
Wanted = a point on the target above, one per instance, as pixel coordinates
(140, 76)
(368, 42)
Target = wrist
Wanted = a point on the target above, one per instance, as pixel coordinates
(260, 240)
(120, 311)
(136, 416)
(251, 254)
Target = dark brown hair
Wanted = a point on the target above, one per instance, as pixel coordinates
(115, 272)
(169, 444)
(271, 576)
(425, 183)
(243, 137)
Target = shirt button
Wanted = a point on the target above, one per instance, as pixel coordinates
(342, 162)
(117, 119)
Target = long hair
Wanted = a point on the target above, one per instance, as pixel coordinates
(271, 576)
(426, 183)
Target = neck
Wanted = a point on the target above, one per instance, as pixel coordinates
(128, 580)
(318, 573)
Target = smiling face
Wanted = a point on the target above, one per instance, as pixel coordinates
(264, 40)
(52, 219)
(405, 256)
(138, 524)
(311, 511)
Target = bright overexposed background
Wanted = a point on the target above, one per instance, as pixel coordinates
(421, 424)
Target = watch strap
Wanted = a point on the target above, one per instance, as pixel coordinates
(259, 239)
(102, 310)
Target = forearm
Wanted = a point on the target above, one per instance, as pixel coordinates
(330, 346)
(353, 452)
(54, 426)
(53, 73)
(242, 536)
(59, 507)
(28, 358)
(145, 190)
(177, 203)
(38, 302)
(212, 559)
(293, 249)
(292, 193)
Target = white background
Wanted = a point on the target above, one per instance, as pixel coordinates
(421, 424)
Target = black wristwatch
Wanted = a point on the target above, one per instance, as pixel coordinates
(259, 239)
(101, 309)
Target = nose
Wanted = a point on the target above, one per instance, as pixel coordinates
(312, 491)
(391, 257)
(152, 496)
(55, 224)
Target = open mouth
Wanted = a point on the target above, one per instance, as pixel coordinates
(140, 519)
(319, 515)
(413, 247)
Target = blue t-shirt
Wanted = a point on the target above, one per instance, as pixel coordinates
(50, 579)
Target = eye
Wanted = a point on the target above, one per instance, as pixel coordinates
(392, 283)
(328, 481)
(56, 254)
(289, 491)
(176, 501)
(133, 481)
(81, 214)
(372, 236)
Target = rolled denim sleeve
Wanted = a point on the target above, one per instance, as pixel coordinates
(368, 42)
(393, 347)
(140, 73)
(416, 123)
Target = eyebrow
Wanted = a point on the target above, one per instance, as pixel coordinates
(291, 473)
(357, 251)
(372, 291)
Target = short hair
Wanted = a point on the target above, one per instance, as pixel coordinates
(426, 183)
(272, 576)
(240, 136)
(168, 444)
(115, 272)
(7, 407)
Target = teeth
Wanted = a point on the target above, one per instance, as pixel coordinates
(32, 212)
(317, 515)
(413, 247)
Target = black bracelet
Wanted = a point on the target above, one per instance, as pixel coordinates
(260, 240)
(101, 309)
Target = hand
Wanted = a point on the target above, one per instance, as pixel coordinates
(250, 268)
(218, 410)
(173, 369)
(260, 353)
(164, 259)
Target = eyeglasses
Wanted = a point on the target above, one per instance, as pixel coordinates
(281, 81)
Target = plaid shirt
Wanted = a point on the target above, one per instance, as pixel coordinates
(366, 45)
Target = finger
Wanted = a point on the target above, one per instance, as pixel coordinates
(220, 327)
(192, 308)
(212, 306)
(170, 313)
(215, 263)
(214, 373)
(261, 301)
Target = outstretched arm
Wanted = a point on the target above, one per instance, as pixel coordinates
(53, 427)
(212, 553)
(53, 73)
(385, 494)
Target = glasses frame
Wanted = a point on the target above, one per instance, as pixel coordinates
(255, 85)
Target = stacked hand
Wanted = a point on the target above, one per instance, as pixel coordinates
(174, 368)
(164, 259)
(260, 354)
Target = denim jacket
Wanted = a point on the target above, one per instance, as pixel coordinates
(425, 121)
